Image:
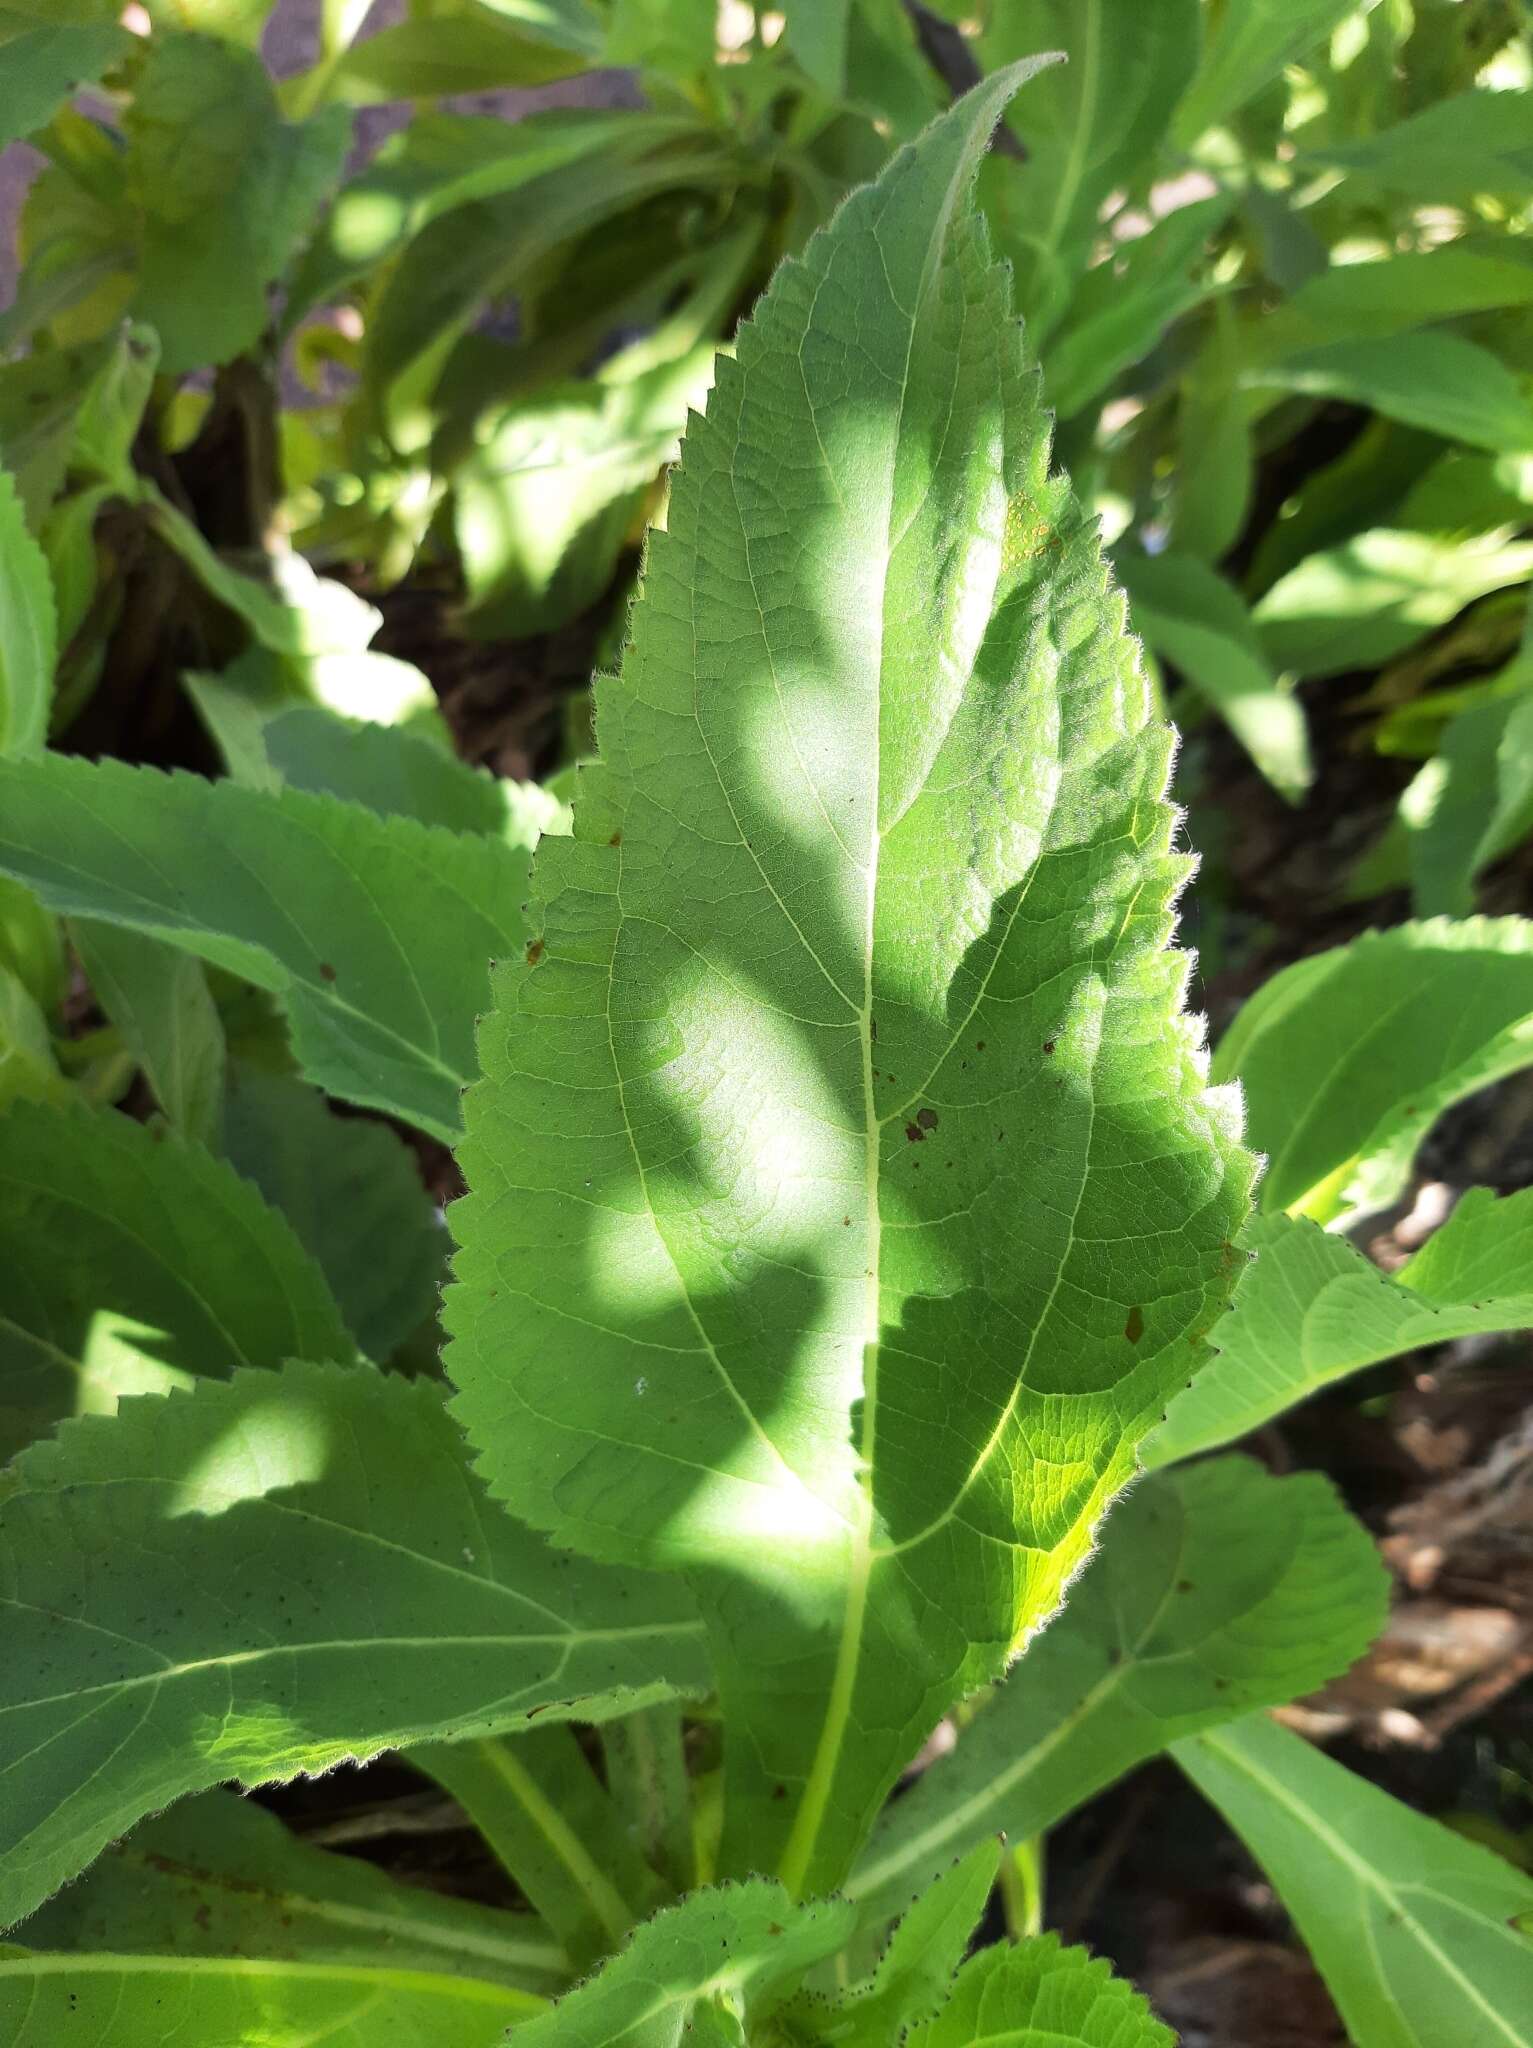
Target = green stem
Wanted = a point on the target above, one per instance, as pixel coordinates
(530, 1831)
(647, 1776)
(1022, 1879)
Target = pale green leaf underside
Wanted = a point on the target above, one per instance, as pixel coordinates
(1312, 1308)
(1215, 1590)
(265, 1577)
(1409, 1923)
(221, 1875)
(1039, 1995)
(131, 1261)
(375, 933)
(721, 1952)
(845, 1193)
(1347, 1059)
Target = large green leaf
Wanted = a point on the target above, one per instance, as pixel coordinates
(29, 1068)
(916, 1970)
(1450, 830)
(473, 51)
(1348, 1058)
(442, 161)
(225, 190)
(1250, 42)
(394, 772)
(158, 998)
(376, 933)
(1373, 595)
(28, 630)
(220, 1875)
(485, 250)
(546, 499)
(1215, 1590)
(696, 1971)
(817, 34)
(1125, 302)
(40, 68)
(1440, 382)
(1196, 621)
(1089, 127)
(269, 1576)
(857, 956)
(1456, 148)
(1413, 1927)
(1311, 1308)
(106, 2000)
(352, 1191)
(1038, 1994)
(1389, 293)
(131, 1262)
(673, 36)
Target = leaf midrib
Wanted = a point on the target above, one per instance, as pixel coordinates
(472, 1990)
(519, 1952)
(804, 1834)
(341, 1645)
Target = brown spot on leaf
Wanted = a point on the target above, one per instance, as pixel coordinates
(1133, 1329)
(927, 1119)
(534, 952)
(616, 839)
(326, 971)
(915, 1134)
(1049, 1044)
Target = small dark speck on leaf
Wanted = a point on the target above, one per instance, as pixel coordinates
(915, 1134)
(534, 952)
(773, 1928)
(927, 1119)
(326, 971)
(779, 1791)
(616, 839)
(979, 1045)
(1184, 1585)
(1048, 1045)
(1133, 1329)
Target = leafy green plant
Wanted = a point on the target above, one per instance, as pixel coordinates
(853, 1208)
